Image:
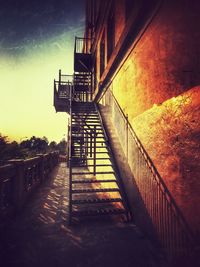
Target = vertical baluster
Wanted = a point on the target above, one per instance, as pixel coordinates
(94, 170)
(86, 142)
(162, 210)
(151, 194)
(176, 226)
(157, 210)
(169, 228)
(90, 144)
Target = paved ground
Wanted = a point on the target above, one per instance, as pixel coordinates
(40, 236)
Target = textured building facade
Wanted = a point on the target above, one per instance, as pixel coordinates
(147, 54)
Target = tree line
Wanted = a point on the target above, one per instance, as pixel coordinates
(28, 148)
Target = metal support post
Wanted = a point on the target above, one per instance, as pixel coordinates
(94, 162)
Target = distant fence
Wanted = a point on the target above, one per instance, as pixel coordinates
(19, 178)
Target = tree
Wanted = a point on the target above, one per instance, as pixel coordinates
(3, 146)
(13, 150)
(35, 145)
(62, 147)
(53, 146)
(9, 150)
(28, 148)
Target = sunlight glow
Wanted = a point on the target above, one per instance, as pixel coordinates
(26, 93)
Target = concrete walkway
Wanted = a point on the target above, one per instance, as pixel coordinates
(40, 235)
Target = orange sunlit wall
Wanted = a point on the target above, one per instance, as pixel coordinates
(119, 19)
(165, 62)
(161, 67)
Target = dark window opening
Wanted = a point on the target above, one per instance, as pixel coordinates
(94, 72)
(129, 4)
(102, 54)
(110, 32)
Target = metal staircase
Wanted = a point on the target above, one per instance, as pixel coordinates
(94, 183)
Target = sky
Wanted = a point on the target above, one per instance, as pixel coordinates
(36, 40)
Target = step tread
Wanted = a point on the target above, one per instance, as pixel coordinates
(77, 146)
(84, 173)
(87, 116)
(94, 190)
(98, 158)
(85, 131)
(102, 152)
(87, 181)
(108, 211)
(95, 201)
(86, 119)
(99, 165)
(81, 112)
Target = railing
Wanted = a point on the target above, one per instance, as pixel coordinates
(62, 89)
(63, 78)
(80, 83)
(82, 45)
(19, 178)
(173, 231)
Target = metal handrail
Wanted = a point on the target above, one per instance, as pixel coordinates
(153, 168)
(102, 125)
(167, 212)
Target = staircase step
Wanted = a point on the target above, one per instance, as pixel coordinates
(85, 120)
(90, 181)
(87, 116)
(93, 124)
(84, 173)
(100, 142)
(100, 134)
(102, 152)
(94, 190)
(98, 212)
(98, 158)
(95, 201)
(86, 126)
(90, 147)
(99, 165)
(85, 130)
(82, 112)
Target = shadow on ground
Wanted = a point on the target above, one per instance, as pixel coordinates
(41, 236)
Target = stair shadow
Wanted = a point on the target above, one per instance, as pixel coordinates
(40, 236)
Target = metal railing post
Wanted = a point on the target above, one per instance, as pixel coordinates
(126, 136)
(94, 151)
(70, 159)
(59, 77)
